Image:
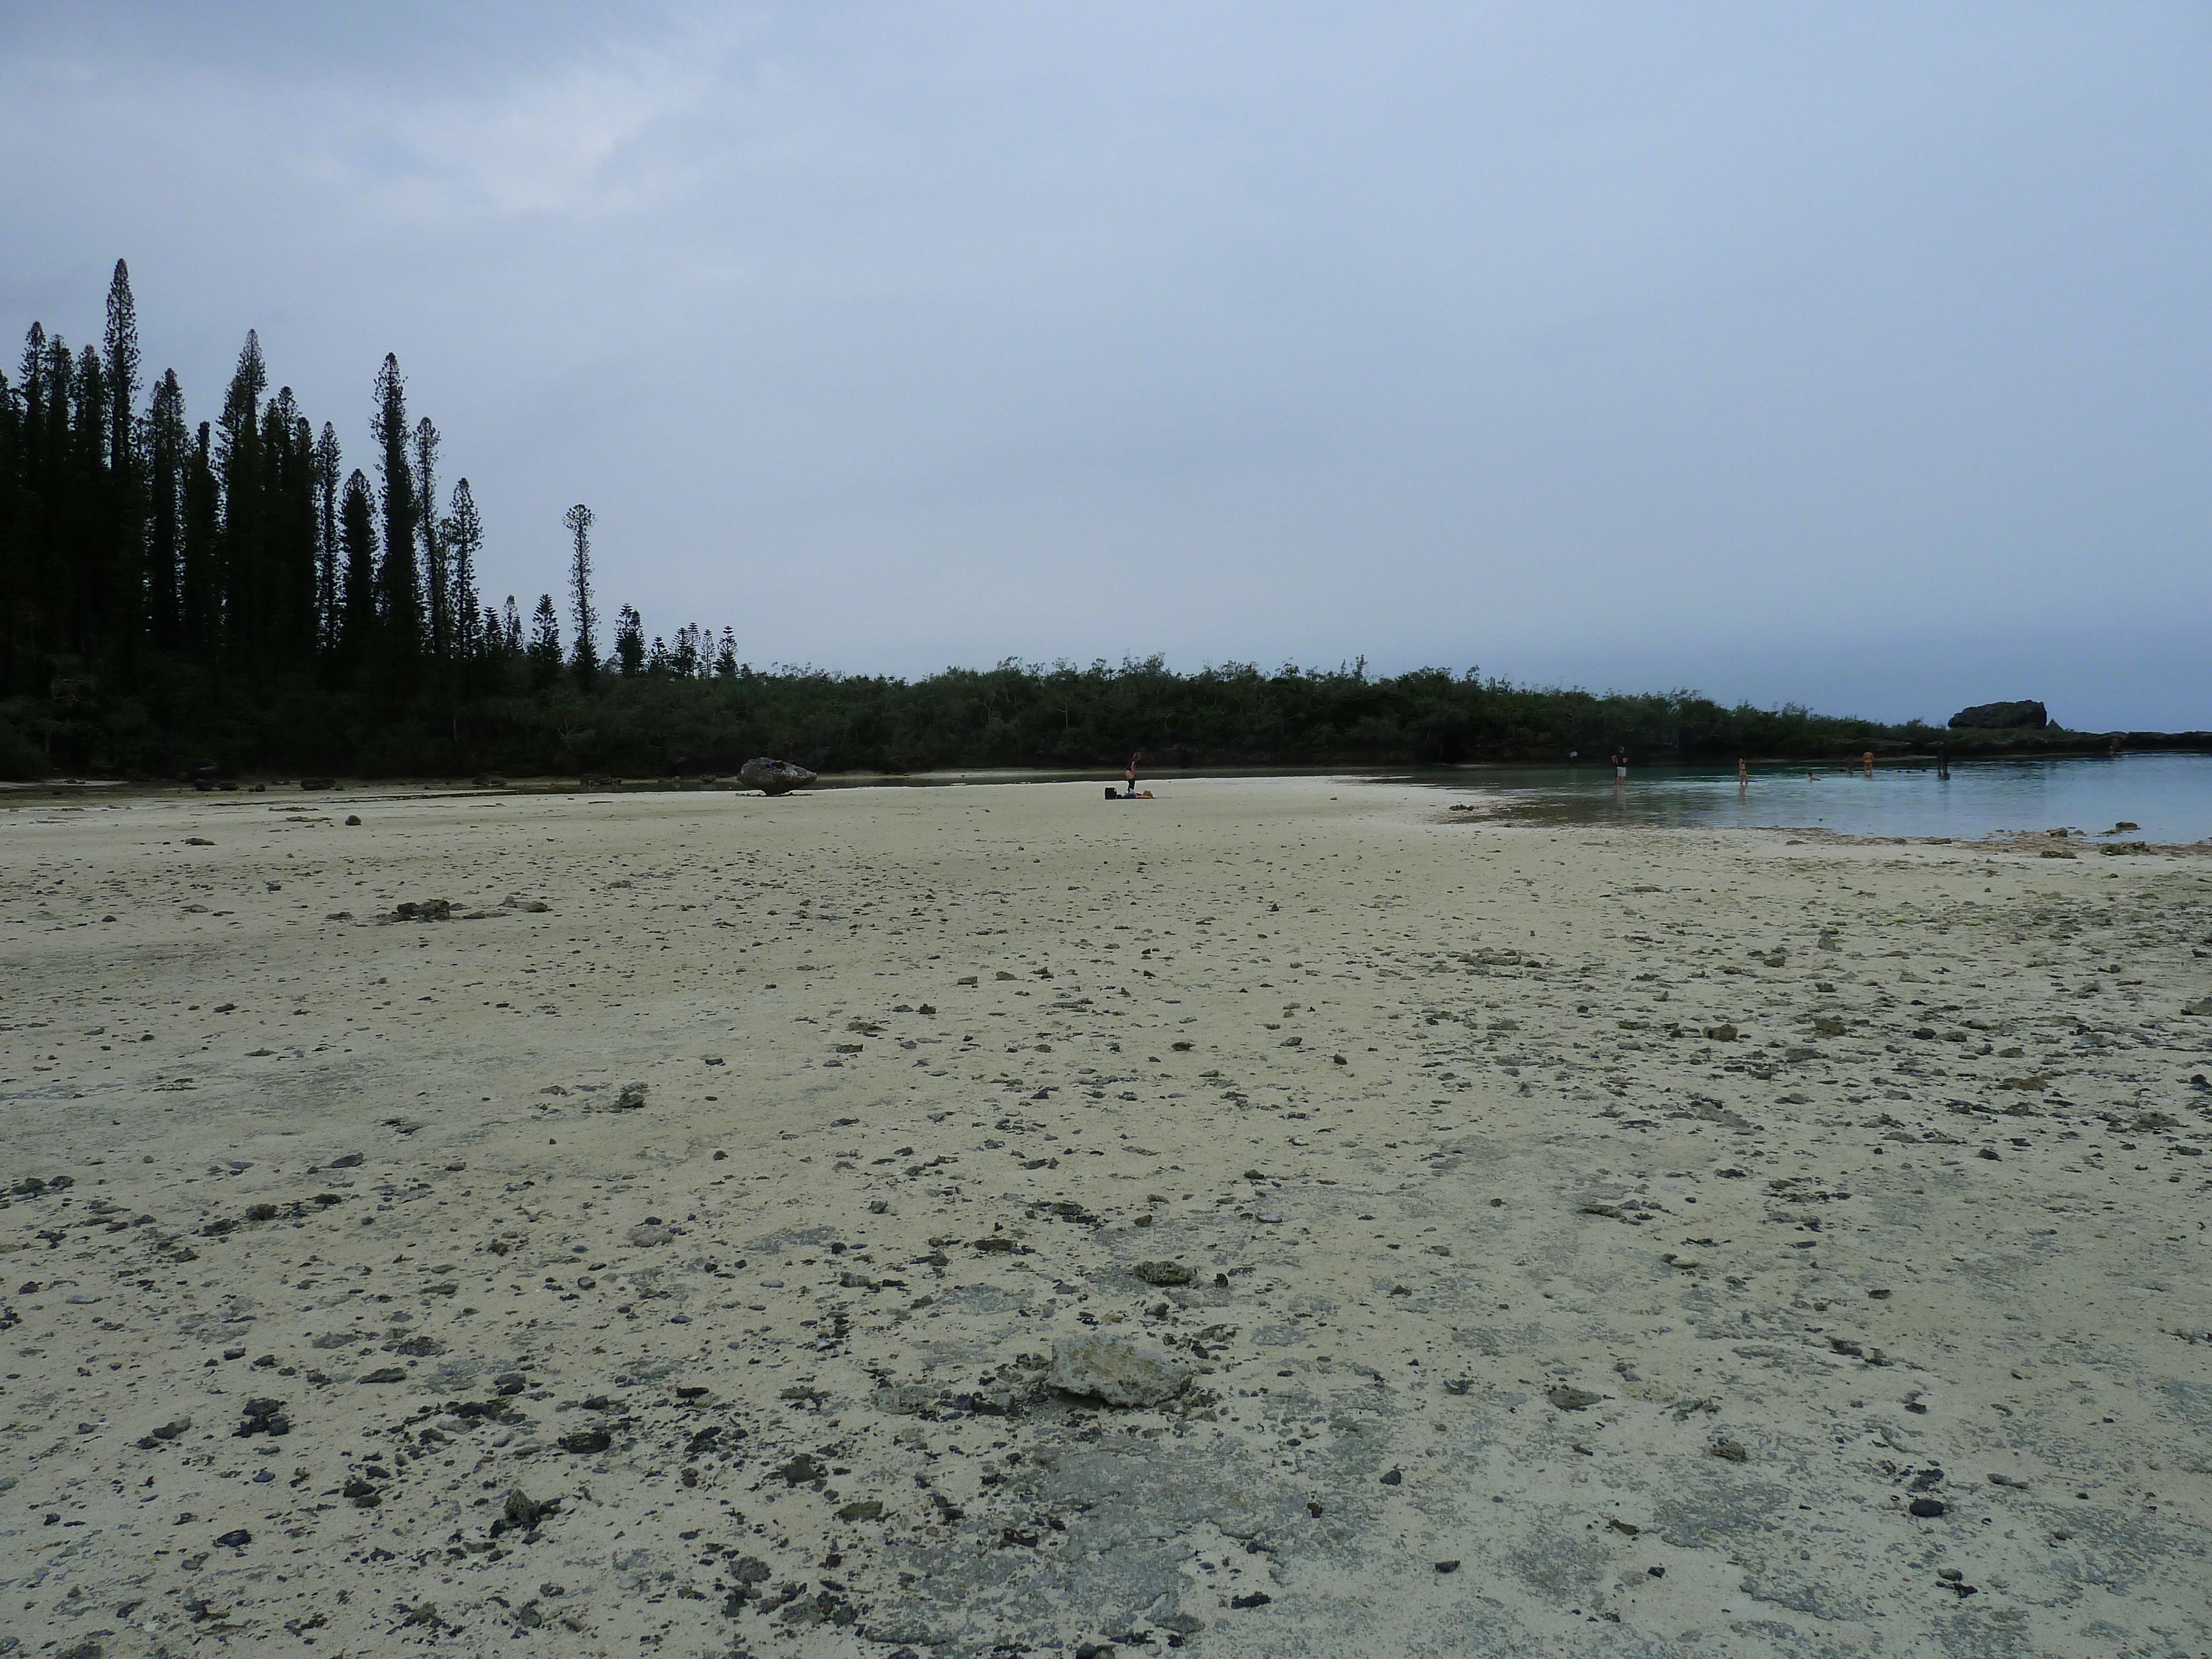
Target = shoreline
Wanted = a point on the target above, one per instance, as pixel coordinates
(2093, 746)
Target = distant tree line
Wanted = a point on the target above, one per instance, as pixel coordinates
(177, 598)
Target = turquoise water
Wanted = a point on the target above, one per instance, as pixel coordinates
(2168, 796)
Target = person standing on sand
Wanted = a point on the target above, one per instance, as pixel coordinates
(1131, 772)
(1867, 760)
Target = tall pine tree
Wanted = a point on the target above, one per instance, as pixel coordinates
(544, 644)
(462, 534)
(399, 585)
(586, 655)
(328, 460)
(358, 601)
(240, 464)
(199, 558)
(440, 617)
(120, 598)
(169, 450)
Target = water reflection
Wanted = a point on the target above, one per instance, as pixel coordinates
(2167, 797)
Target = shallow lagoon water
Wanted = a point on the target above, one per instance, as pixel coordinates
(2168, 796)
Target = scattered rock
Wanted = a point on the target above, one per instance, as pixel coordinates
(802, 1470)
(1164, 1272)
(388, 1374)
(238, 1539)
(1120, 1371)
(319, 783)
(1568, 1398)
(261, 1417)
(1732, 1450)
(870, 1510)
(353, 821)
(1926, 1509)
(648, 1234)
(583, 1442)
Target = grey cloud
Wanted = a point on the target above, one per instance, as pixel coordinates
(1855, 355)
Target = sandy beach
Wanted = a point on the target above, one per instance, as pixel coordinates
(609, 1224)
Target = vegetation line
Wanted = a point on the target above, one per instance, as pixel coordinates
(229, 597)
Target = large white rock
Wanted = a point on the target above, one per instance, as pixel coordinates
(1120, 1371)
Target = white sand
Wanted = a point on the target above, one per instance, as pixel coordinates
(1841, 1261)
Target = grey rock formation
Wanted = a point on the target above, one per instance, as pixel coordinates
(2002, 717)
(774, 777)
(1120, 1371)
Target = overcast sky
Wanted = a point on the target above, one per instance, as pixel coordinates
(1852, 354)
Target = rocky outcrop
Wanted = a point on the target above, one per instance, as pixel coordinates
(774, 777)
(2002, 717)
(1118, 1369)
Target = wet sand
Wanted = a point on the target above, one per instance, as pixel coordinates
(1578, 1241)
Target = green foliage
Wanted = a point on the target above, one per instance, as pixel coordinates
(527, 715)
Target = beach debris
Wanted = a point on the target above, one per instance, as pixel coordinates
(1120, 1371)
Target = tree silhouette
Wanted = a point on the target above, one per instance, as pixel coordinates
(587, 653)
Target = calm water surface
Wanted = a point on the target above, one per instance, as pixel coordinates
(2168, 796)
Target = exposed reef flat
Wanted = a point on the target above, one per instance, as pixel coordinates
(645, 1223)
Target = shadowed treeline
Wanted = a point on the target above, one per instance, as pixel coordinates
(228, 596)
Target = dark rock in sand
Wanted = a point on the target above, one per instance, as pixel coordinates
(2002, 717)
(774, 777)
(1567, 1398)
(260, 1417)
